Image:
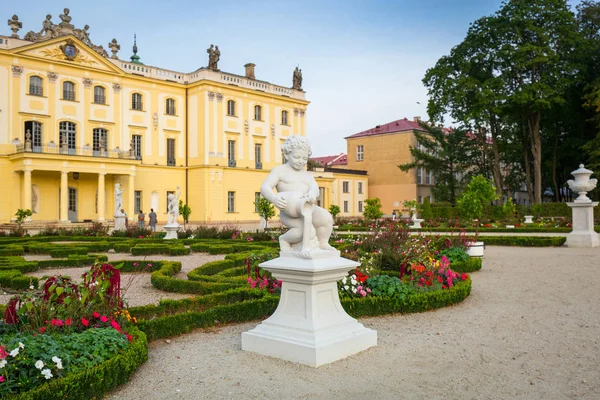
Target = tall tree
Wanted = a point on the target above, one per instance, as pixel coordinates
(447, 154)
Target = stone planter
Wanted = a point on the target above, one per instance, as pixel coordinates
(476, 249)
(528, 219)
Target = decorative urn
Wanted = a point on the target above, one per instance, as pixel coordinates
(582, 184)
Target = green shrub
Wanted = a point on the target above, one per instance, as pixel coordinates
(426, 210)
(68, 251)
(72, 261)
(179, 251)
(12, 250)
(472, 264)
(525, 241)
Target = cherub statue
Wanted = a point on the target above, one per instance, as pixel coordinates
(309, 226)
(83, 34)
(173, 207)
(48, 28)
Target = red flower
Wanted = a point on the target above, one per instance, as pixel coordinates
(129, 337)
(464, 277)
(103, 318)
(68, 321)
(42, 329)
(115, 325)
(57, 322)
(96, 314)
(85, 322)
(3, 353)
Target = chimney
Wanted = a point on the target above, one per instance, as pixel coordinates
(417, 119)
(250, 70)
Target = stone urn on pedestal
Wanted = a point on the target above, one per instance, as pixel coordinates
(583, 234)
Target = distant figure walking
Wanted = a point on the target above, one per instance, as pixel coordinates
(141, 218)
(152, 219)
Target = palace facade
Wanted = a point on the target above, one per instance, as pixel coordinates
(74, 121)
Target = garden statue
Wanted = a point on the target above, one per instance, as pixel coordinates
(118, 199)
(173, 207)
(310, 226)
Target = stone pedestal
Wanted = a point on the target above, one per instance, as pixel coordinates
(416, 224)
(171, 229)
(120, 223)
(309, 326)
(583, 234)
(476, 249)
(528, 219)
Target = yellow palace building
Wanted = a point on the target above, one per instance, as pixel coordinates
(75, 121)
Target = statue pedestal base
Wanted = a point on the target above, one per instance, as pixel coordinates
(120, 223)
(309, 326)
(583, 234)
(171, 231)
(528, 219)
(416, 224)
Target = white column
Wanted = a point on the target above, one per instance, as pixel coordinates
(64, 196)
(27, 191)
(101, 199)
(130, 197)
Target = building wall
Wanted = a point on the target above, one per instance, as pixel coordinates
(381, 156)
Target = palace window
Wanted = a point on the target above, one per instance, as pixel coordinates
(231, 153)
(258, 113)
(345, 206)
(360, 206)
(67, 135)
(360, 152)
(231, 108)
(36, 86)
(258, 155)
(171, 152)
(230, 202)
(137, 101)
(360, 188)
(284, 117)
(420, 175)
(100, 141)
(137, 201)
(136, 142)
(256, 201)
(99, 95)
(170, 105)
(69, 91)
(428, 177)
(35, 129)
(346, 187)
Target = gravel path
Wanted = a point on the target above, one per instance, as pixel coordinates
(529, 330)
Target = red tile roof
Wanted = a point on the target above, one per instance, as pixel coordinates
(340, 159)
(395, 126)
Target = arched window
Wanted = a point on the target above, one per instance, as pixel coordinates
(231, 107)
(100, 141)
(36, 86)
(284, 117)
(258, 113)
(137, 101)
(68, 91)
(99, 95)
(68, 133)
(33, 131)
(170, 106)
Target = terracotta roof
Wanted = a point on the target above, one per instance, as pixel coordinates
(340, 159)
(394, 126)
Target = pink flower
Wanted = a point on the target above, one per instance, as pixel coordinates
(68, 322)
(115, 325)
(103, 318)
(3, 353)
(57, 322)
(85, 322)
(1, 379)
(368, 290)
(135, 264)
(96, 314)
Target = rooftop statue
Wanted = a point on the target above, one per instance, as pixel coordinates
(214, 54)
(15, 25)
(310, 226)
(297, 80)
(65, 18)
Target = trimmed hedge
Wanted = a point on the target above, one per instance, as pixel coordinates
(162, 279)
(471, 265)
(525, 241)
(14, 279)
(66, 252)
(12, 250)
(72, 261)
(95, 382)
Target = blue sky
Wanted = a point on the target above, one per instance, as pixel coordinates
(362, 60)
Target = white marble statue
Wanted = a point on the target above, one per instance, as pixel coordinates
(118, 199)
(173, 207)
(309, 226)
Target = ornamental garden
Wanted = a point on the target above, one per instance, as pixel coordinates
(74, 336)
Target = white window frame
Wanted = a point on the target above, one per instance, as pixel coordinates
(230, 202)
(360, 152)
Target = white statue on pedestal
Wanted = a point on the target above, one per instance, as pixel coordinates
(173, 207)
(310, 226)
(118, 199)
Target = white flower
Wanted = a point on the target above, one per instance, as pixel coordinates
(31, 287)
(47, 373)
(14, 352)
(58, 362)
(344, 280)
(346, 287)
(353, 281)
(39, 364)
(21, 345)
(2, 363)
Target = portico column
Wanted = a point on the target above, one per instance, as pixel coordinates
(130, 197)
(27, 191)
(64, 196)
(101, 197)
